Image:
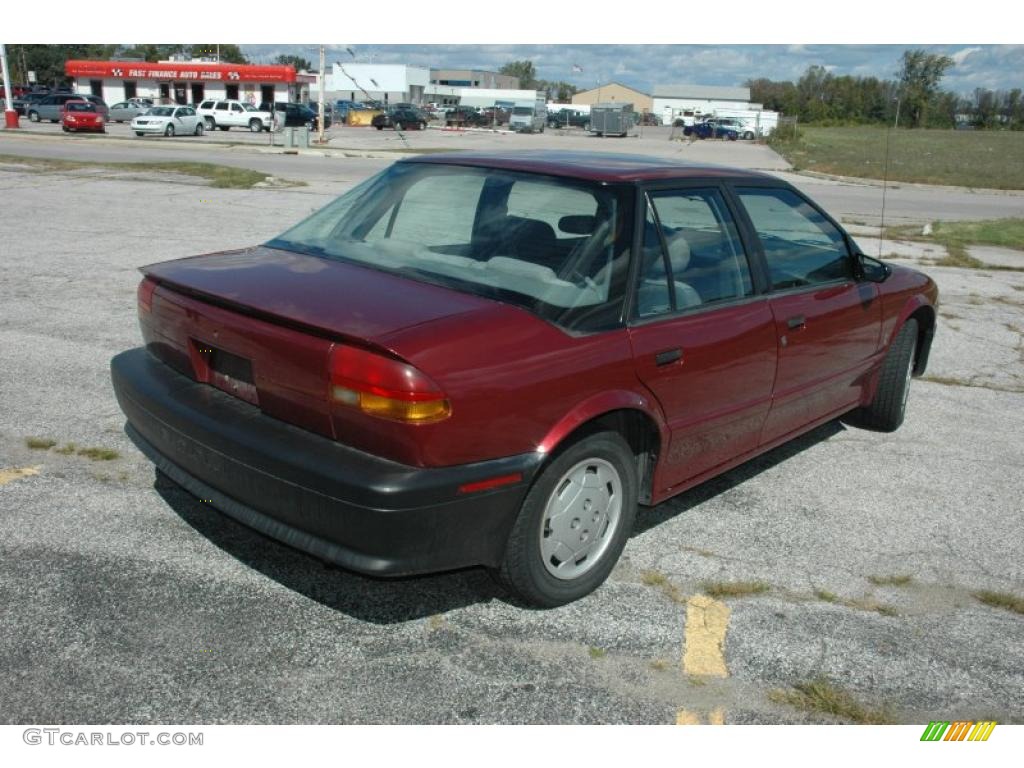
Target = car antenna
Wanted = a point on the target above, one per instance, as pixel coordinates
(885, 177)
(352, 53)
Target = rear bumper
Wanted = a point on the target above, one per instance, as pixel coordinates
(332, 501)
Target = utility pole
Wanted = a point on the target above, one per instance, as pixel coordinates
(320, 102)
(10, 116)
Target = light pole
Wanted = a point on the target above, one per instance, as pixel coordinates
(10, 116)
(320, 138)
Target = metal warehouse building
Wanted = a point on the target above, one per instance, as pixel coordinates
(616, 92)
(187, 82)
(671, 101)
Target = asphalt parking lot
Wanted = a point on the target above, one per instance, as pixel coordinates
(128, 600)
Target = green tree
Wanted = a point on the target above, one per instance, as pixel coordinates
(525, 71)
(298, 62)
(919, 75)
(229, 52)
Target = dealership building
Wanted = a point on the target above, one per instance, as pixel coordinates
(187, 82)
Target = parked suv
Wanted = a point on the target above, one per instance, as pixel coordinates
(50, 107)
(569, 118)
(229, 113)
(292, 114)
(400, 119)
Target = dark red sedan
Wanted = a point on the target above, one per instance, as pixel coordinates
(492, 359)
(82, 116)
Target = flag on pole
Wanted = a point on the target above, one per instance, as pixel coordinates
(577, 68)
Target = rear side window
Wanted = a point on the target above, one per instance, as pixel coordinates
(692, 254)
(436, 211)
(221, 105)
(801, 246)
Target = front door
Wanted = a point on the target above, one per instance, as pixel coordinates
(267, 95)
(165, 93)
(703, 340)
(197, 93)
(827, 322)
(180, 93)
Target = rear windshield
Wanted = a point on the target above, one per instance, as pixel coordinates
(72, 106)
(556, 247)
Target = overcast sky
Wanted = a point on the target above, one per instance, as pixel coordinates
(641, 66)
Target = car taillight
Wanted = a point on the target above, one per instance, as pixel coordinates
(146, 288)
(383, 387)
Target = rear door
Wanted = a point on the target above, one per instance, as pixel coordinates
(702, 332)
(827, 322)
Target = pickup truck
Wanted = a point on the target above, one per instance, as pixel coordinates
(569, 118)
(227, 113)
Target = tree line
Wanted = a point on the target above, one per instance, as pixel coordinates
(822, 98)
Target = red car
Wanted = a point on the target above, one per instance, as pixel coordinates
(82, 116)
(492, 359)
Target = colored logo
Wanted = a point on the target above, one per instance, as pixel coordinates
(958, 730)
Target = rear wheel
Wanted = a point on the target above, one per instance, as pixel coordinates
(169, 130)
(573, 524)
(398, 126)
(199, 129)
(210, 124)
(889, 406)
(223, 127)
(33, 116)
(748, 135)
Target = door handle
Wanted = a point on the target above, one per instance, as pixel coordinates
(796, 322)
(668, 357)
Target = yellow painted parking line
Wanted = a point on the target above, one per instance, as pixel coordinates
(7, 475)
(687, 718)
(704, 638)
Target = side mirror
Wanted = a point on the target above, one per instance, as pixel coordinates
(873, 270)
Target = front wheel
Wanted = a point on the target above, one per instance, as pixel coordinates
(33, 117)
(169, 130)
(398, 126)
(255, 125)
(210, 124)
(748, 135)
(138, 133)
(889, 406)
(573, 524)
(199, 129)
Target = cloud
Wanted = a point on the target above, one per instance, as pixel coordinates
(960, 56)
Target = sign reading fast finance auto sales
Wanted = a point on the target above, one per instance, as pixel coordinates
(190, 71)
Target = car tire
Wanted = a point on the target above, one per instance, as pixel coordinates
(223, 127)
(748, 135)
(379, 127)
(255, 125)
(889, 406)
(169, 130)
(586, 127)
(423, 126)
(210, 123)
(65, 128)
(138, 133)
(603, 513)
(398, 126)
(199, 129)
(33, 116)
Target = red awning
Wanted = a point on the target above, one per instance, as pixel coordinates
(182, 71)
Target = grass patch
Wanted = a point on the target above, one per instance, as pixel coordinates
(820, 695)
(892, 580)
(219, 176)
(859, 604)
(39, 443)
(719, 589)
(66, 450)
(989, 159)
(1001, 600)
(956, 236)
(660, 665)
(99, 454)
(653, 578)
(597, 653)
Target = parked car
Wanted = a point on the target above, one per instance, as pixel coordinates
(293, 115)
(711, 130)
(495, 116)
(477, 359)
(125, 111)
(569, 118)
(400, 120)
(81, 115)
(168, 121)
(225, 114)
(462, 116)
(49, 107)
(22, 103)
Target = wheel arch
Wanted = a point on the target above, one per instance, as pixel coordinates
(633, 416)
(924, 313)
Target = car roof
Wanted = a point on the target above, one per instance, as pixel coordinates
(593, 166)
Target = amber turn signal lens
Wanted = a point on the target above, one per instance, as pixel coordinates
(419, 412)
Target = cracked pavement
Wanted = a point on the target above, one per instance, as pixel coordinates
(127, 600)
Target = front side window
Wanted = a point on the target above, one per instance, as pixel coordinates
(692, 255)
(801, 246)
(555, 247)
